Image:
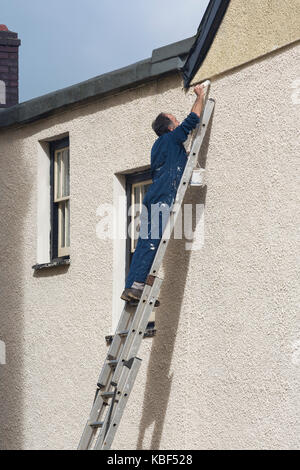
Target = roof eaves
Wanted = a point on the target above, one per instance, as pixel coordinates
(164, 60)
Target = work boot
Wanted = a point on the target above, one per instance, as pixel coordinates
(125, 296)
(133, 296)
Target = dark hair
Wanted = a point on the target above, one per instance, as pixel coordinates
(161, 124)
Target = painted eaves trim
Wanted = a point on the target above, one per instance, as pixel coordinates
(250, 31)
(207, 30)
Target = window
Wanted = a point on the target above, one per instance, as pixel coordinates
(2, 92)
(60, 199)
(138, 191)
(137, 185)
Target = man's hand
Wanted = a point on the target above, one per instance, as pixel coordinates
(199, 90)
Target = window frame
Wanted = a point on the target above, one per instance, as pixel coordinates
(56, 253)
(133, 179)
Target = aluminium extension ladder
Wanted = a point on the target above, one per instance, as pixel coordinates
(121, 366)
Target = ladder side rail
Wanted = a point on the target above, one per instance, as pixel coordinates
(104, 382)
(104, 442)
(107, 420)
(123, 325)
(116, 346)
(89, 431)
(125, 371)
(135, 336)
(144, 306)
(153, 292)
(121, 371)
(118, 388)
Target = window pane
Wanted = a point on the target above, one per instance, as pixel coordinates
(58, 174)
(68, 173)
(67, 218)
(62, 173)
(65, 176)
(62, 224)
(138, 193)
(144, 189)
(137, 202)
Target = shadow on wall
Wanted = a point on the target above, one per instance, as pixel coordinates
(16, 185)
(159, 379)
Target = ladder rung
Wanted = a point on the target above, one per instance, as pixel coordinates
(107, 394)
(96, 424)
(113, 362)
(123, 333)
(111, 357)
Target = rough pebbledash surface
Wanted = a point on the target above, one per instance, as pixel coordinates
(9, 67)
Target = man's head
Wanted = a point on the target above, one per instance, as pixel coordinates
(164, 123)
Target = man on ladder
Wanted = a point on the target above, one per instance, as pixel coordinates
(168, 160)
(172, 172)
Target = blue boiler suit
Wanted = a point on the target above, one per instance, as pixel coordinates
(168, 160)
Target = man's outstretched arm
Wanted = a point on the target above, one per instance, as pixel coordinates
(198, 105)
(180, 134)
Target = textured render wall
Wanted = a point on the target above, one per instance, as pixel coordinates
(223, 370)
(250, 30)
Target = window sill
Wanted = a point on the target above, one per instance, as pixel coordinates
(149, 333)
(52, 264)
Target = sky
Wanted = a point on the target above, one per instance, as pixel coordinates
(67, 41)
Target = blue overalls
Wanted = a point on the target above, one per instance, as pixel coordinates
(168, 160)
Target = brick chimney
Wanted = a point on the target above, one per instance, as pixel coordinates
(9, 67)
